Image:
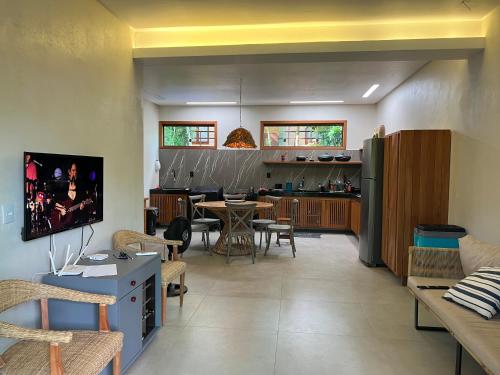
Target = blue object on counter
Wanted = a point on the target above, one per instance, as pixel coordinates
(288, 186)
(445, 236)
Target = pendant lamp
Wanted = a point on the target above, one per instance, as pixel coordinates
(240, 137)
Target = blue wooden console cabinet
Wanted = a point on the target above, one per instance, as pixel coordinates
(136, 313)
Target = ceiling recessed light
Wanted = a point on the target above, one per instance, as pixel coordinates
(316, 101)
(370, 90)
(211, 103)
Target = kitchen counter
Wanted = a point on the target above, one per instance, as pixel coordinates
(308, 193)
(170, 191)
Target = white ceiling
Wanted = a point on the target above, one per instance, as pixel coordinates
(275, 84)
(165, 13)
(272, 83)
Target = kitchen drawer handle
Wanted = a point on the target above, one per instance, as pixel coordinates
(133, 299)
(133, 282)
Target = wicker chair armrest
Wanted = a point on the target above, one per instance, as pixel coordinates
(138, 237)
(434, 262)
(20, 333)
(152, 239)
(55, 292)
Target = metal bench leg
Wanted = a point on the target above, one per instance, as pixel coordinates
(458, 359)
(425, 328)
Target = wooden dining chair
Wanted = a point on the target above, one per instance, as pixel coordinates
(261, 224)
(284, 228)
(202, 228)
(198, 215)
(240, 215)
(235, 197)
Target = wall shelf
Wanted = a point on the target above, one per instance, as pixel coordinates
(314, 163)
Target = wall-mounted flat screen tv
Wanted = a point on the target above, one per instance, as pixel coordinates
(61, 192)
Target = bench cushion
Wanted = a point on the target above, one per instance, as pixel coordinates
(475, 254)
(480, 337)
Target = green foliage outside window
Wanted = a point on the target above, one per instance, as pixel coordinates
(304, 135)
(176, 136)
(188, 136)
(331, 135)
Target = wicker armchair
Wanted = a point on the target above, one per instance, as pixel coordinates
(170, 270)
(43, 351)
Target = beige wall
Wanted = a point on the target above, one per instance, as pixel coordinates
(463, 96)
(150, 120)
(67, 85)
(360, 118)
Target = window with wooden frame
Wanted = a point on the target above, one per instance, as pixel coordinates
(188, 134)
(303, 135)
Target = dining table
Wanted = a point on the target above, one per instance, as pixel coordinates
(243, 246)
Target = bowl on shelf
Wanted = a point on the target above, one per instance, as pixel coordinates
(325, 157)
(342, 157)
(300, 158)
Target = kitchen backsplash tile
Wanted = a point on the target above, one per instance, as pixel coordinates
(238, 170)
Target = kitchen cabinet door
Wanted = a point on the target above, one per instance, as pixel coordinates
(309, 213)
(336, 214)
(130, 323)
(355, 216)
(167, 206)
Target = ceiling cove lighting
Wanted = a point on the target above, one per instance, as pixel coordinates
(316, 101)
(240, 137)
(211, 103)
(370, 90)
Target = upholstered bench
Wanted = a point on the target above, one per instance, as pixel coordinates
(442, 267)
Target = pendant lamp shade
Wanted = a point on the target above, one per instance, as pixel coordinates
(240, 137)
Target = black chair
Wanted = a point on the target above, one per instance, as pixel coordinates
(196, 227)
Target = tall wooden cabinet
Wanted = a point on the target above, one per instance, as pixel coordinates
(416, 187)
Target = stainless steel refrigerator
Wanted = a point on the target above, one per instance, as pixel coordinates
(372, 171)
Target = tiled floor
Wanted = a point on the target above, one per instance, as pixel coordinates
(320, 313)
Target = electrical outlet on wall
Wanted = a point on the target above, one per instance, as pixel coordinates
(8, 213)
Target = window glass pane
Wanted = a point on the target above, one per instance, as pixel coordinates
(304, 135)
(188, 136)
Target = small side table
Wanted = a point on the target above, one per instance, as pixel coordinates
(136, 313)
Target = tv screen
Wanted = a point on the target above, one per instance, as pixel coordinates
(61, 192)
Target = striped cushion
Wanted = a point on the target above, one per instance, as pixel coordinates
(479, 292)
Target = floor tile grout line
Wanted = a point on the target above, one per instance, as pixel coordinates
(276, 351)
(278, 330)
(196, 310)
(291, 276)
